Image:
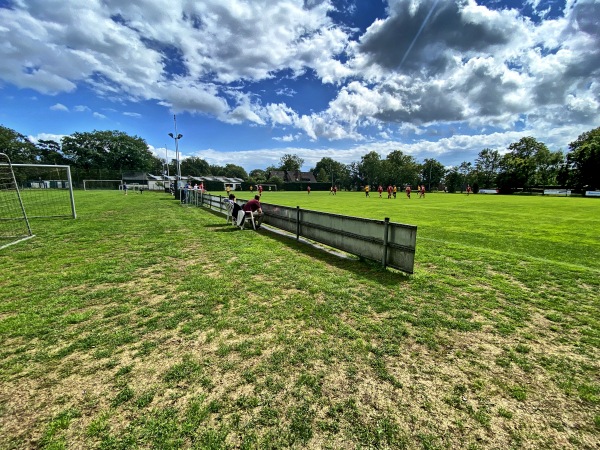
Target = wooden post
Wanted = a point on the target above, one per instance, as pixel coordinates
(297, 223)
(386, 224)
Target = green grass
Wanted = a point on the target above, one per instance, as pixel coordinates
(144, 324)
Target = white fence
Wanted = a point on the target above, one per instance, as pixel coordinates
(564, 192)
(393, 244)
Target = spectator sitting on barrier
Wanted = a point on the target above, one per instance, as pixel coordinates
(253, 207)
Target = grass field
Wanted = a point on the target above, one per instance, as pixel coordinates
(144, 324)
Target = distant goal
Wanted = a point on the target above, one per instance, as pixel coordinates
(14, 225)
(112, 185)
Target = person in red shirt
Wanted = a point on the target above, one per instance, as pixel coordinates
(389, 191)
(380, 190)
(260, 189)
(468, 189)
(308, 189)
(408, 191)
(253, 207)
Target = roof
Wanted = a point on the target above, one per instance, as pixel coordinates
(290, 176)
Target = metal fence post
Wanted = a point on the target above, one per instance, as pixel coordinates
(386, 224)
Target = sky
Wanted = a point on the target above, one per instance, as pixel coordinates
(250, 81)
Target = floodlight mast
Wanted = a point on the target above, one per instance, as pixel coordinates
(177, 136)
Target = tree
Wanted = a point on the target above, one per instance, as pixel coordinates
(258, 175)
(18, 147)
(518, 167)
(292, 163)
(277, 181)
(270, 169)
(432, 173)
(548, 165)
(50, 153)
(214, 169)
(233, 171)
(354, 175)
(370, 168)
(113, 150)
(321, 175)
(465, 170)
(398, 168)
(195, 166)
(487, 166)
(453, 180)
(329, 171)
(583, 160)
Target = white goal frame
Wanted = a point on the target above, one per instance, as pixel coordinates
(8, 183)
(46, 186)
(134, 187)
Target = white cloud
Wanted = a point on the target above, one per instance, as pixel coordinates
(280, 114)
(59, 107)
(410, 74)
(46, 137)
(286, 138)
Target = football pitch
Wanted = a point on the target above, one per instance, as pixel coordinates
(145, 324)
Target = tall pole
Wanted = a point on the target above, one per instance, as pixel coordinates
(331, 169)
(177, 136)
(430, 164)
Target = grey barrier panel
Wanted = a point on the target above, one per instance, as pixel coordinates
(393, 244)
(366, 238)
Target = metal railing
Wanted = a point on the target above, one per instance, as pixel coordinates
(391, 243)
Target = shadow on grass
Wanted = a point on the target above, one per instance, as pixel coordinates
(371, 270)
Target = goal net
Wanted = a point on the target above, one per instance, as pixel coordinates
(112, 185)
(46, 190)
(14, 226)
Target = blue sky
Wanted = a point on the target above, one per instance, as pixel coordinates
(252, 80)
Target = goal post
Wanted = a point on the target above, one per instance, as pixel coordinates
(14, 224)
(46, 190)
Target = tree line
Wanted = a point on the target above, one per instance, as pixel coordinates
(526, 164)
(103, 155)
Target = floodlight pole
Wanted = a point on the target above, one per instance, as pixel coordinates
(430, 164)
(331, 169)
(177, 136)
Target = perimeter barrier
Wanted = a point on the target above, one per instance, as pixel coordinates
(393, 244)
